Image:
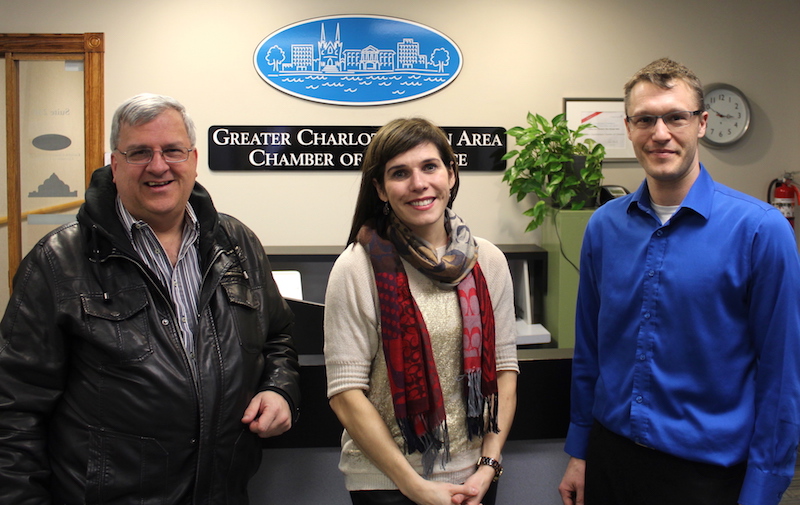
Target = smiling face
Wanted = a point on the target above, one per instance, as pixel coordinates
(669, 157)
(157, 192)
(417, 186)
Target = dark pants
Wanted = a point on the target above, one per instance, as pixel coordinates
(394, 497)
(620, 472)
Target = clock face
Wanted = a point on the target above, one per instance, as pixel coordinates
(728, 115)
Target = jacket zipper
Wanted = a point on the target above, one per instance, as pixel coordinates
(173, 317)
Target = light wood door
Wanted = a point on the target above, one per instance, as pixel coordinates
(54, 132)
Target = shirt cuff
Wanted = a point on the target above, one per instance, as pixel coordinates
(577, 440)
(762, 488)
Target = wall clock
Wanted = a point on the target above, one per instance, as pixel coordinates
(728, 115)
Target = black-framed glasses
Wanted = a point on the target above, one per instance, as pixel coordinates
(145, 155)
(673, 120)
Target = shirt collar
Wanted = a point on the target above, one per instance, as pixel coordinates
(699, 199)
(129, 223)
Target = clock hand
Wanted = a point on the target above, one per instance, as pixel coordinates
(725, 116)
(715, 112)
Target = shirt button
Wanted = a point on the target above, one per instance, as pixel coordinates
(651, 273)
(165, 322)
(639, 399)
(659, 233)
(647, 315)
(642, 357)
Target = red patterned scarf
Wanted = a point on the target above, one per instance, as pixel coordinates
(414, 382)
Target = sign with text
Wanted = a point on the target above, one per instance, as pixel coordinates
(335, 147)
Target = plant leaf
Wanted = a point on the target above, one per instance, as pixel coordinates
(544, 165)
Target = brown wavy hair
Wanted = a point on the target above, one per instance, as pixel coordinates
(392, 139)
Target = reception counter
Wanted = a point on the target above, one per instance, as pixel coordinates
(542, 401)
(544, 380)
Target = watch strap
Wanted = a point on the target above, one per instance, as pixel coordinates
(487, 461)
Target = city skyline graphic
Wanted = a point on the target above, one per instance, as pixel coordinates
(365, 60)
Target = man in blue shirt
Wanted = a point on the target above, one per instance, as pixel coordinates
(686, 373)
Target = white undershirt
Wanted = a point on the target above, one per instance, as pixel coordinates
(664, 212)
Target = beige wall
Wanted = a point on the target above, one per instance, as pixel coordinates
(519, 55)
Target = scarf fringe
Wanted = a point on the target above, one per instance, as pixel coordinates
(476, 404)
(429, 444)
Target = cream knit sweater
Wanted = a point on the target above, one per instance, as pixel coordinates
(354, 354)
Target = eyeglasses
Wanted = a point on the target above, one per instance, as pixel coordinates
(145, 155)
(673, 120)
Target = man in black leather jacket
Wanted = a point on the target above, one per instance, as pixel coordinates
(140, 362)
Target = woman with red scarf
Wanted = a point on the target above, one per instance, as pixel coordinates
(420, 345)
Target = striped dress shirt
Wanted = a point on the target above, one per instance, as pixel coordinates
(183, 279)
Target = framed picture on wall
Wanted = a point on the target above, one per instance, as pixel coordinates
(607, 117)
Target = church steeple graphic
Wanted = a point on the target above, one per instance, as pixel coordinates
(330, 53)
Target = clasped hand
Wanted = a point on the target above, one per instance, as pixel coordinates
(470, 492)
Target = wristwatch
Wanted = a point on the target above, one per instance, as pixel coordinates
(498, 468)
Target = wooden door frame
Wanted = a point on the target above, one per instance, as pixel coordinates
(16, 47)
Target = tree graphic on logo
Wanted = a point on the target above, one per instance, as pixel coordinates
(275, 57)
(440, 58)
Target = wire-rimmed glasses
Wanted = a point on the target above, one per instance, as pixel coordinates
(143, 156)
(673, 120)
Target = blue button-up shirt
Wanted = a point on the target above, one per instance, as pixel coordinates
(688, 333)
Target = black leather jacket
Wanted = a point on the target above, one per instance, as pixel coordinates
(99, 403)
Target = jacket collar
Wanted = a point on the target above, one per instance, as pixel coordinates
(98, 217)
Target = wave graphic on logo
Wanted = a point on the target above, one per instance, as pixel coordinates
(340, 52)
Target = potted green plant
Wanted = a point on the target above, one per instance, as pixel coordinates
(563, 171)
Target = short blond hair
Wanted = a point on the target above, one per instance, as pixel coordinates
(663, 73)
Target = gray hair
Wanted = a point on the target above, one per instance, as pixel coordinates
(144, 108)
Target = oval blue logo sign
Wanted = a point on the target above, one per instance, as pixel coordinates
(358, 60)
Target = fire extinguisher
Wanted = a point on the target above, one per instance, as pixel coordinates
(783, 194)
